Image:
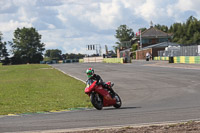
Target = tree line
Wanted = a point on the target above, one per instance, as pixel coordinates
(26, 47)
(3, 51)
(187, 33)
(56, 54)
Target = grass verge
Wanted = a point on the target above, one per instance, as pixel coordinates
(36, 88)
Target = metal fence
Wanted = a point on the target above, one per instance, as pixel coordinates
(180, 51)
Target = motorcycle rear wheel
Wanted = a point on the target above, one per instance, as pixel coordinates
(118, 101)
(96, 101)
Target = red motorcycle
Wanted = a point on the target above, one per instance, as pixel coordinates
(101, 97)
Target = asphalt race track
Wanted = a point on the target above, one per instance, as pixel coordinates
(150, 93)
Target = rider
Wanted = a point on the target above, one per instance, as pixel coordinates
(92, 76)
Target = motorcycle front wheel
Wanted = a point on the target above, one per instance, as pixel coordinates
(118, 101)
(96, 101)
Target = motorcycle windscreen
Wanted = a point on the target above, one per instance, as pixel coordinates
(90, 88)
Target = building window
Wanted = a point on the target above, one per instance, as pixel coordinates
(145, 41)
(162, 40)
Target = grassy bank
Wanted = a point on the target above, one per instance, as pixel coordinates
(35, 88)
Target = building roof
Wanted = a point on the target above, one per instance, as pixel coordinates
(128, 49)
(154, 33)
(160, 45)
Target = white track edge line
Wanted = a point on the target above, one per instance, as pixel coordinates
(112, 126)
(69, 75)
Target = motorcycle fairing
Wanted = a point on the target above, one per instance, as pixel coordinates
(107, 99)
(90, 88)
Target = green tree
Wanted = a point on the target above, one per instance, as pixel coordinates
(74, 56)
(54, 54)
(196, 38)
(134, 48)
(3, 51)
(186, 33)
(27, 46)
(123, 34)
(163, 28)
(142, 29)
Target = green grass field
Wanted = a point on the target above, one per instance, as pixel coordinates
(38, 88)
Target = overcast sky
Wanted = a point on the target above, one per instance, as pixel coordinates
(70, 25)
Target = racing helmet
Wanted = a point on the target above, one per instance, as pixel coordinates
(90, 72)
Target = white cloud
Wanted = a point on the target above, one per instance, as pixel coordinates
(51, 26)
(28, 3)
(62, 18)
(6, 6)
(25, 16)
(51, 45)
(70, 25)
(108, 14)
(147, 10)
(181, 10)
(74, 43)
(13, 25)
(184, 5)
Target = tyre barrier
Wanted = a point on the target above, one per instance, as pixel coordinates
(113, 60)
(187, 59)
(60, 61)
(161, 58)
(182, 59)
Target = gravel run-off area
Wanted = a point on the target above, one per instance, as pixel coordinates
(185, 127)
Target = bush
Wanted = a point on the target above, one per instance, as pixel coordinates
(134, 48)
